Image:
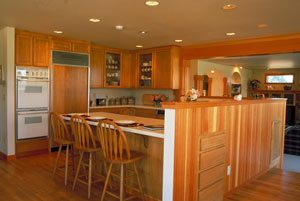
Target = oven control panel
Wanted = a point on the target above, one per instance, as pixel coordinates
(32, 72)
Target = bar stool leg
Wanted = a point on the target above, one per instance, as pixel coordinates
(106, 181)
(67, 165)
(73, 159)
(90, 175)
(78, 169)
(139, 181)
(57, 158)
(122, 183)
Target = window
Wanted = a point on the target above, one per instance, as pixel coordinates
(280, 79)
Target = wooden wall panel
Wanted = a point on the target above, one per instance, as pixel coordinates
(248, 129)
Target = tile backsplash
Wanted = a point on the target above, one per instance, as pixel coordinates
(137, 93)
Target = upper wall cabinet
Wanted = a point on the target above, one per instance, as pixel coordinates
(113, 68)
(63, 44)
(32, 49)
(129, 71)
(97, 66)
(145, 69)
(166, 69)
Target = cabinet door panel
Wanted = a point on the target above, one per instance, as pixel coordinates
(163, 71)
(97, 68)
(24, 47)
(80, 47)
(63, 45)
(128, 71)
(41, 51)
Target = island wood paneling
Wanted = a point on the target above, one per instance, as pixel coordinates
(248, 130)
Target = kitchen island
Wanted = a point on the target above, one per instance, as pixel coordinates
(213, 146)
(146, 141)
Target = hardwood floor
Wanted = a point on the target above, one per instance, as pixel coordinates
(29, 179)
(276, 185)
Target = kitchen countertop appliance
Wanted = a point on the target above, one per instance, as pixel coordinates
(32, 99)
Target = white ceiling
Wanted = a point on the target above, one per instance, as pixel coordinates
(279, 61)
(194, 21)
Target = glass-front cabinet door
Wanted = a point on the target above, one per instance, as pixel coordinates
(112, 69)
(145, 70)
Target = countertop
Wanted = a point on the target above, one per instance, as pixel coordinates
(211, 102)
(132, 106)
(135, 130)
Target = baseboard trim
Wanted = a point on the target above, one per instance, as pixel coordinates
(5, 157)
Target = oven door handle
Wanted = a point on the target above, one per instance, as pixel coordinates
(33, 80)
(33, 112)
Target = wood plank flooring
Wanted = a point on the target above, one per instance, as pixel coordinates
(29, 179)
(276, 185)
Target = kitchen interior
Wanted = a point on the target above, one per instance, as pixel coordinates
(190, 113)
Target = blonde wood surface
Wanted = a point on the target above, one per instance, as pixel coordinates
(80, 46)
(248, 129)
(116, 151)
(31, 147)
(97, 66)
(70, 83)
(166, 69)
(85, 143)
(24, 49)
(41, 53)
(61, 44)
(62, 137)
(128, 76)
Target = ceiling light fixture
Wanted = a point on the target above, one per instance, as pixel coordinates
(261, 26)
(241, 67)
(143, 32)
(178, 41)
(58, 32)
(119, 27)
(212, 71)
(230, 34)
(152, 3)
(94, 20)
(139, 46)
(229, 7)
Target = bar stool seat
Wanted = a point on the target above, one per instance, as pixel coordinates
(116, 152)
(62, 137)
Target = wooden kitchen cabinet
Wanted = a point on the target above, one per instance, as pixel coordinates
(166, 69)
(97, 66)
(24, 48)
(41, 54)
(113, 69)
(63, 44)
(32, 49)
(128, 71)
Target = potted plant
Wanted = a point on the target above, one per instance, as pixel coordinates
(254, 84)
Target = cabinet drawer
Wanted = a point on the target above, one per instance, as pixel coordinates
(212, 158)
(211, 176)
(212, 141)
(212, 193)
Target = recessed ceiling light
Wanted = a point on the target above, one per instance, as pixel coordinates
(152, 3)
(212, 71)
(229, 7)
(241, 67)
(139, 46)
(58, 32)
(119, 27)
(261, 26)
(94, 20)
(143, 32)
(178, 41)
(230, 34)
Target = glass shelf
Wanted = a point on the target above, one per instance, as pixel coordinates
(146, 70)
(113, 69)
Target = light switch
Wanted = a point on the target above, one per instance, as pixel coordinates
(228, 170)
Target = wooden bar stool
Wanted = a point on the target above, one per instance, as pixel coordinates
(85, 143)
(62, 137)
(116, 151)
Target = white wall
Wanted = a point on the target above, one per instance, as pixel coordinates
(204, 68)
(7, 94)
